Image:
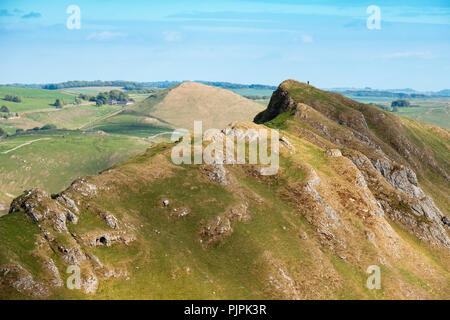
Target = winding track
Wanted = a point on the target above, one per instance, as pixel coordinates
(24, 144)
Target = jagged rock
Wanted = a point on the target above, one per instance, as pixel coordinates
(111, 221)
(72, 255)
(69, 202)
(56, 281)
(310, 187)
(60, 222)
(71, 217)
(30, 202)
(108, 239)
(216, 230)
(218, 173)
(287, 143)
(446, 221)
(239, 213)
(84, 188)
(401, 178)
(89, 284)
(334, 153)
(180, 212)
(20, 279)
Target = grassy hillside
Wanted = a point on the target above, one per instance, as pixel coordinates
(32, 99)
(344, 198)
(423, 147)
(73, 117)
(53, 159)
(273, 249)
(131, 125)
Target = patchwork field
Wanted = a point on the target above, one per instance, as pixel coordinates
(51, 160)
(434, 111)
(32, 99)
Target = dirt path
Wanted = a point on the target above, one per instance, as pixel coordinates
(109, 115)
(24, 144)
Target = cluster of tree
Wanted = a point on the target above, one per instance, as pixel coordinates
(12, 98)
(133, 87)
(96, 83)
(43, 128)
(83, 96)
(400, 103)
(59, 103)
(111, 97)
(6, 113)
(143, 91)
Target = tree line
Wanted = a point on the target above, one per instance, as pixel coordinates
(111, 97)
(12, 98)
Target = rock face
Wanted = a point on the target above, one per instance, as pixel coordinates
(20, 279)
(280, 102)
(52, 214)
(111, 221)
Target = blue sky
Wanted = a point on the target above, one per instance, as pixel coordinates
(252, 41)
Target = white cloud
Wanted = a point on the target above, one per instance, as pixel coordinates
(172, 36)
(306, 38)
(105, 35)
(410, 54)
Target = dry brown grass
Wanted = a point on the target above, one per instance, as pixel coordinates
(214, 106)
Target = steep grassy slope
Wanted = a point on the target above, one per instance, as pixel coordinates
(341, 201)
(376, 133)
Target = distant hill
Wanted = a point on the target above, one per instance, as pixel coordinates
(392, 93)
(180, 105)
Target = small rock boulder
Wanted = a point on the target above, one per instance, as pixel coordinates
(446, 221)
(334, 153)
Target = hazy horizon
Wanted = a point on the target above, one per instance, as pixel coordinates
(231, 82)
